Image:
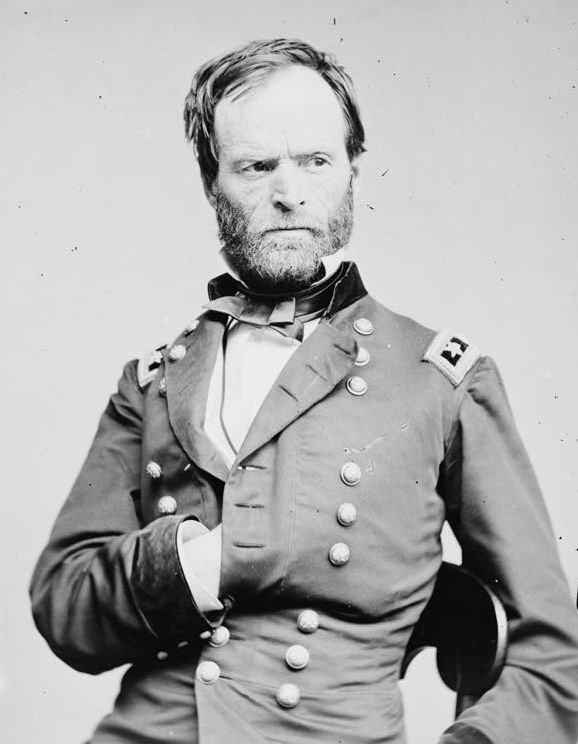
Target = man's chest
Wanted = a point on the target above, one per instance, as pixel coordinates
(337, 504)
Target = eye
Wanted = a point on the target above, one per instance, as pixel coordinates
(259, 166)
(316, 162)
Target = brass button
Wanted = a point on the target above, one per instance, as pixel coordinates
(356, 385)
(162, 655)
(308, 621)
(208, 672)
(346, 514)
(163, 387)
(220, 637)
(339, 554)
(364, 326)
(362, 356)
(297, 657)
(177, 352)
(166, 506)
(288, 695)
(350, 473)
(154, 470)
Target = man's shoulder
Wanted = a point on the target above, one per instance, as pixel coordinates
(448, 350)
(147, 365)
(405, 334)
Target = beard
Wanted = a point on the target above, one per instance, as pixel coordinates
(268, 261)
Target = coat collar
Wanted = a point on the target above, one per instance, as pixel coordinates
(347, 289)
(187, 382)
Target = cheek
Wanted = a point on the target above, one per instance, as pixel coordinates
(247, 197)
(329, 195)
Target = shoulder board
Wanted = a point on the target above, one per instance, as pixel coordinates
(452, 355)
(147, 366)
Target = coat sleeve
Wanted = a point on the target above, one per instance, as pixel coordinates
(106, 590)
(495, 508)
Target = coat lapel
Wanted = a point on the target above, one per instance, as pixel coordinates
(319, 364)
(187, 383)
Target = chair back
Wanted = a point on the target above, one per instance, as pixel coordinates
(467, 624)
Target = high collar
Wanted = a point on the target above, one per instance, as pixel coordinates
(346, 284)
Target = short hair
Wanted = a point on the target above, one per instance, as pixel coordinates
(241, 70)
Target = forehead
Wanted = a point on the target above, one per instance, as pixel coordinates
(293, 105)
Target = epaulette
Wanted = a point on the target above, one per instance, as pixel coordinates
(147, 366)
(452, 355)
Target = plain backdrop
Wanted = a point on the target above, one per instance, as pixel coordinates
(467, 219)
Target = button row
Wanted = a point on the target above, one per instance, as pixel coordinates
(297, 657)
(209, 672)
(166, 505)
(356, 385)
(350, 473)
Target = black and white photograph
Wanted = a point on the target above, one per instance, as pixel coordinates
(290, 304)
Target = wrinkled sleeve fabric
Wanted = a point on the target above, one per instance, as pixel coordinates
(107, 590)
(496, 510)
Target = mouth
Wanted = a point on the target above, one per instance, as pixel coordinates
(289, 229)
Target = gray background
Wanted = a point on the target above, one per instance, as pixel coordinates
(467, 219)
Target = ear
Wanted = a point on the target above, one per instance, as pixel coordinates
(355, 174)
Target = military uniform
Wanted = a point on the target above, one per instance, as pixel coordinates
(376, 430)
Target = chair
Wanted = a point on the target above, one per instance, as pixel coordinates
(467, 624)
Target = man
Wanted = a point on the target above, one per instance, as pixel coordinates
(256, 528)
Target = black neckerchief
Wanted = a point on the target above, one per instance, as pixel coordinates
(286, 312)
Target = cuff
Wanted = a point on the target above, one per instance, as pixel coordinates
(199, 552)
(160, 589)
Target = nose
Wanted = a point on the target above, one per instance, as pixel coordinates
(288, 187)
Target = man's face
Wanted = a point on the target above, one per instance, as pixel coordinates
(283, 192)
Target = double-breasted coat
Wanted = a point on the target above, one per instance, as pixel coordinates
(334, 506)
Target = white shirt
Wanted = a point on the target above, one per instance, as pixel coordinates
(254, 359)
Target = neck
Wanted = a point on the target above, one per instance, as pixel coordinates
(330, 265)
(311, 301)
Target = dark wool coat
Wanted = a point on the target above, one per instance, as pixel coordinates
(109, 590)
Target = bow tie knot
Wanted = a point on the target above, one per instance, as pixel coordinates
(278, 315)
